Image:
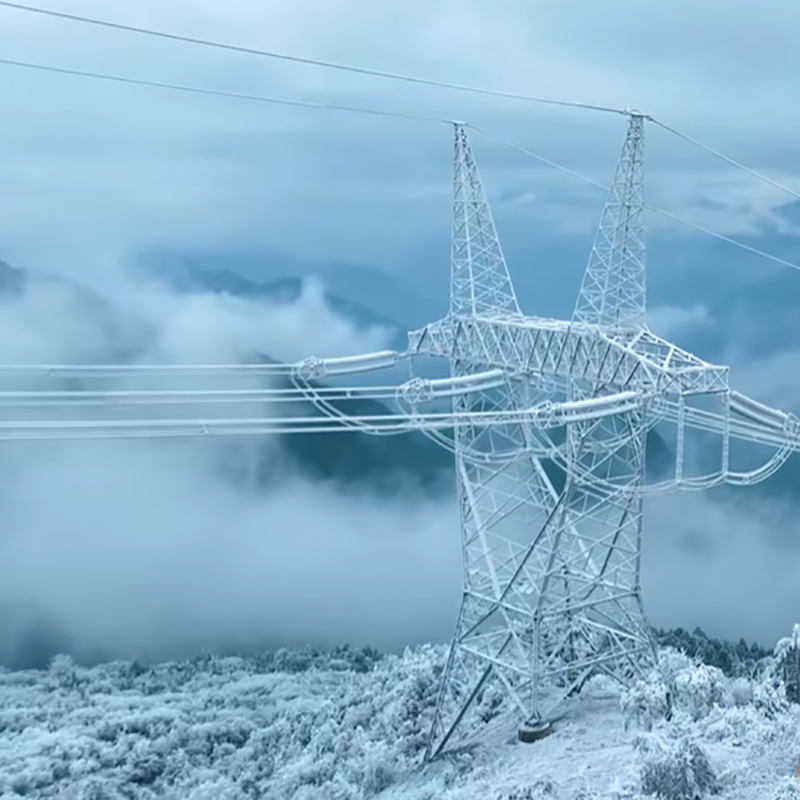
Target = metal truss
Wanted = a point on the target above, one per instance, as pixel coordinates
(552, 591)
(547, 421)
(479, 280)
(613, 291)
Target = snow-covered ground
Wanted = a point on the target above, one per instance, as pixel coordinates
(352, 725)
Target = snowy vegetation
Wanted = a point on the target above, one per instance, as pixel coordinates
(733, 659)
(352, 724)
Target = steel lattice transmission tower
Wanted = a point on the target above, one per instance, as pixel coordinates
(551, 590)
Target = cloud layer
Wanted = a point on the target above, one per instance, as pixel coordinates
(149, 549)
(144, 548)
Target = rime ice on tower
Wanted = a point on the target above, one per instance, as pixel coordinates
(613, 292)
(551, 557)
(551, 574)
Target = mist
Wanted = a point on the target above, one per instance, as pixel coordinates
(148, 549)
(727, 560)
(729, 566)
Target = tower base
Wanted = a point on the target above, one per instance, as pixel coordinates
(527, 734)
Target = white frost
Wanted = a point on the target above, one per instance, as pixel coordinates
(350, 725)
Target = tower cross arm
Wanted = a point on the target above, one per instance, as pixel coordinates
(564, 351)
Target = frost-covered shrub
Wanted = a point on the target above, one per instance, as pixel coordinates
(95, 789)
(489, 704)
(738, 724)
(787, 790)
(344, 724)
(769, 697)
(538, 790)
(675, 769)
(735, 660)
(672, 662)
(680, 685)
(741, 692)
(700, 689)
(601, 685)
(645, 703)
(787, 664)
(343, 658)
(65, 674)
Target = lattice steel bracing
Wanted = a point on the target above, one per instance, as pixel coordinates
(551, 576)
(613, 290)
(500, 504)
(607, 457)
(479, 280)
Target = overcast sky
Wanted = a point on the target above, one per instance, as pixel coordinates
(92, 172)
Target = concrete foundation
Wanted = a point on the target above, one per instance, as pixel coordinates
(532, 733)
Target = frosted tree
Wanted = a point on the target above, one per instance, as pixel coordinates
(787, 664)
(675, 769)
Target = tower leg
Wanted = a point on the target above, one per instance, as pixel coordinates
(508, 507)
(594, 621)
(551, 585)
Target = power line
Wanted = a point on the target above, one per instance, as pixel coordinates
(219, 92)
(399, 115)
(700, 229)
(380, 74)
(375, 73)
(540, 159)
(726, 159)
(175, 37)
(660, 211)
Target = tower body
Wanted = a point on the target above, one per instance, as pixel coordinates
(551, 557)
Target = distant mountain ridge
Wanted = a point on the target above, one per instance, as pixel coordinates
(374, 292)
(285, 290)
(386, 465)
(12, 280)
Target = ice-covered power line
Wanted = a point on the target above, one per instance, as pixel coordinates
(176, 87)
(660, 211)
(727, 159)
(314, 62)
(405, 116)
(376, 73)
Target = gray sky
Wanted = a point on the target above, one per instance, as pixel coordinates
(92, 172)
